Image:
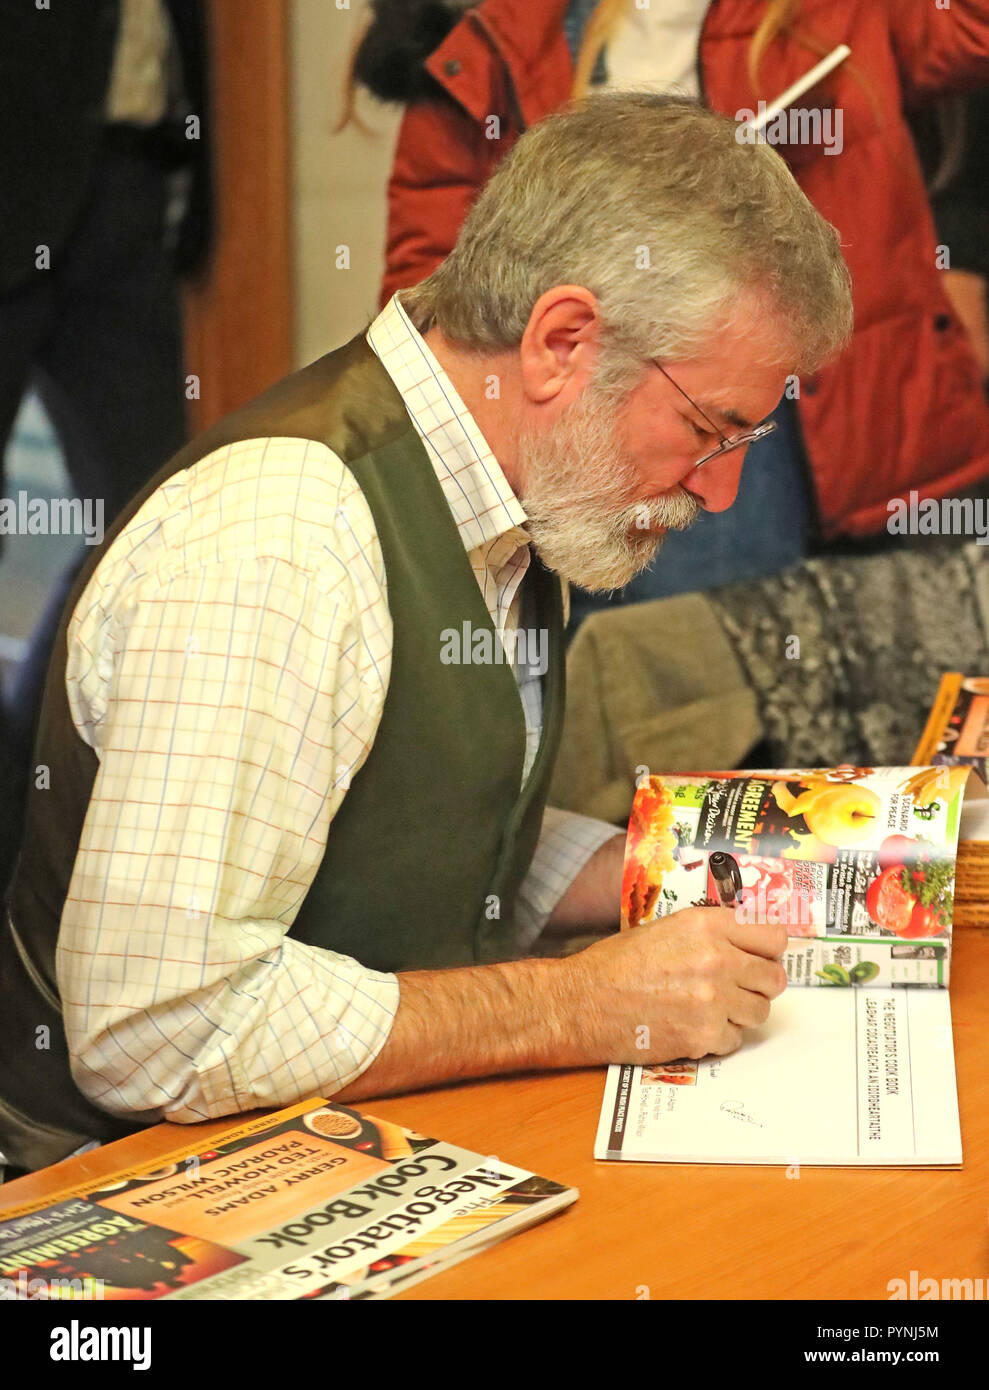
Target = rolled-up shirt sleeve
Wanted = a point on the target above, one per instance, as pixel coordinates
(230, 684)
(566, 842)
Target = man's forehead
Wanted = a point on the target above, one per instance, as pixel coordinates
(736, 400)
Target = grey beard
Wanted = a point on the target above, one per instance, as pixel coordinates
(576, 498)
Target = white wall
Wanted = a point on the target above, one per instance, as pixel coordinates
(339, 180)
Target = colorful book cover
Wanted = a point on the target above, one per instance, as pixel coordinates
(318, 1200)
(857, 862)
(957, 730)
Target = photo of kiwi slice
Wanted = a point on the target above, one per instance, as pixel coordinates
(862, 973)
(833, 974)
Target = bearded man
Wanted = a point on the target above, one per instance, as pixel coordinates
(287, 846)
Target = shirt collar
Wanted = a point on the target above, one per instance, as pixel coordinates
(477, 491)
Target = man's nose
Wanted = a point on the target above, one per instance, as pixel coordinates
(715, 483)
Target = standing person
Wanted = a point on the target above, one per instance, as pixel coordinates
(95, 156)
(953, 143)
(902, 408)
(297, 838)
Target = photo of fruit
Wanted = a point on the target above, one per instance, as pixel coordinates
(835, 974)
(839, 814)
(912, 898)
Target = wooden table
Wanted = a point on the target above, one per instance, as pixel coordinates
(672, 1231)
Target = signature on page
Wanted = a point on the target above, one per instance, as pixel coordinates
(737, 1110)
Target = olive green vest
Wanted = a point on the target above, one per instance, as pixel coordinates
(423, 859)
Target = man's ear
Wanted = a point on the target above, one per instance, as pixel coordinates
(560, 345)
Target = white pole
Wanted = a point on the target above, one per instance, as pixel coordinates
(803, 84)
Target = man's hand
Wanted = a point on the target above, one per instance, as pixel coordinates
(693, 980)
(684, 986)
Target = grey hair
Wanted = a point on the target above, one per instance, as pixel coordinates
(674, 224)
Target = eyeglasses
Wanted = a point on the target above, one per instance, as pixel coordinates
(728, 442)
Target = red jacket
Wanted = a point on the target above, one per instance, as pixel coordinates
(903, 407)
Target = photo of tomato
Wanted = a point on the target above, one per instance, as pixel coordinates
(923, 922)
(912, 899)
(887, 902)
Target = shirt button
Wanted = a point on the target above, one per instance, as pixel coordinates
(942, 322)
(810, 387)
(452, 67)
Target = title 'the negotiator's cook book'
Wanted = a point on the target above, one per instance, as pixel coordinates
(317, 1201)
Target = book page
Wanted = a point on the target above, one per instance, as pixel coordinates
(845, 1077)
(858, 860)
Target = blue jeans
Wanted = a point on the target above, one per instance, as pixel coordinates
(766, 529)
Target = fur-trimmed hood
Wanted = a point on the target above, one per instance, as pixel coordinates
(402, 35)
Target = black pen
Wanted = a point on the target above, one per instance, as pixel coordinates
(727, 877)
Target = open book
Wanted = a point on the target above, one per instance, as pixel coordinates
(317, 1201)
(855, 1065)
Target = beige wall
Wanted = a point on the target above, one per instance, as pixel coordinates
(339, 181)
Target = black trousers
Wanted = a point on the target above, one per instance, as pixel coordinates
(99, 335)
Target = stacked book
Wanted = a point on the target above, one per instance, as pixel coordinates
(972, 884)
(957, 734)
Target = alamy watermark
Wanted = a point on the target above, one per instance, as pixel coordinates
(526, 648)
(52, 516)
(80, 1342)
(23, 1287)
(939, 516)
(795, 126)
(919, 1287)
